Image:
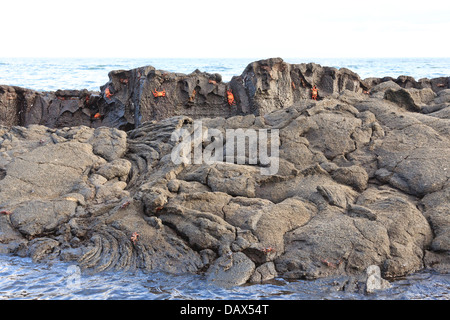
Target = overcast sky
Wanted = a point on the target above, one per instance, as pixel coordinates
(229, 28)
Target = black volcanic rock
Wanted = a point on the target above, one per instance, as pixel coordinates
(363, 179)
(127, 99)
(19, 106)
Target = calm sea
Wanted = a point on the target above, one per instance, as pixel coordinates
(51, 74)
(22, 279)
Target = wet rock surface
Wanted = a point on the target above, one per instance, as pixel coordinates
(363, 179)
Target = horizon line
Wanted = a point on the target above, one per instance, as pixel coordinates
(219, 58)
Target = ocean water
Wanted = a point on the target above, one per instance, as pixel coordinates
(21, 279)
(51, 74)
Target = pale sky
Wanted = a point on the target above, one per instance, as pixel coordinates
(224, 29)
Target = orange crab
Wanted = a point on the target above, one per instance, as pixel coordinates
(192, 97)
(108, 93)
(134, 237)
(303, 83)
(125, 204)
(331, 264)
(314, 92)
(159, 93)
(328, 264)
(268, 250)
(97, 116)
(230, 98)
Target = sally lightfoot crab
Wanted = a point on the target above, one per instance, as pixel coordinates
(159, 93)
(134, 237)
(230, 98)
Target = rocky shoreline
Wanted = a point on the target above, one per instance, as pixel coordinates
(363, 179)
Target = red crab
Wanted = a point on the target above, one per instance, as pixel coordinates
(125, 204)
(303, 83)
(230, 98)
(314, 92)
(268, 250)
(134, 237)
(108, 93)
(191, 98)
(159, 93)
(5, 212)
(331, 264)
